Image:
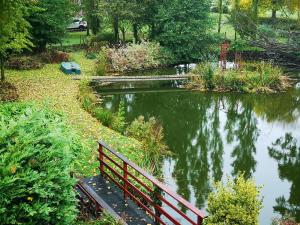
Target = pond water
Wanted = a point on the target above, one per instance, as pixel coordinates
(213, 135)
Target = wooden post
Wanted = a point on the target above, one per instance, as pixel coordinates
(101, 158)
(125, 175)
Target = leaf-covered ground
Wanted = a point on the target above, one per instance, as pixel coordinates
(49, 86)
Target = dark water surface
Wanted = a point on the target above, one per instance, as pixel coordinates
(213, 135)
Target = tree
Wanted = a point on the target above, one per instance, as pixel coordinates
(14, 34)
(220, 6)
(184, 28)
(50, 22)
(92, 12)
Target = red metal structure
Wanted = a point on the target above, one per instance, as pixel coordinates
(161, 203)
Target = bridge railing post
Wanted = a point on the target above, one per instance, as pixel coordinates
(100, 150)
(125, 175)
(199, 220)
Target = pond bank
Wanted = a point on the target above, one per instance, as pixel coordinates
(48, 86)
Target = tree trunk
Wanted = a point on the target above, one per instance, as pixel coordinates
(123, 31)
(274, 15)
(2, 68)
(255, 10)
(220, 15)
(116, 28)
(87, 30)
(135, 33)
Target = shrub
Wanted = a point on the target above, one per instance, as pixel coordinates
(54, 56)
(133, 57)
(8, 92)
(237, 202)
(103, 115)
(150, 134)
(118, 122)
(24, 63)
(36, 155)
(102, 61)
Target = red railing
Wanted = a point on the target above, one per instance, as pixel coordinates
(145, 190)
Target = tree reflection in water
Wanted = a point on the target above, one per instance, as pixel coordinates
(201, 127)
(286, 151)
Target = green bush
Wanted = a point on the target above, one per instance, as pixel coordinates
(237, 202)
(103, 115)
(150, 134)
(102, 61)
(118, 122)
(36, 153)
(86, 96)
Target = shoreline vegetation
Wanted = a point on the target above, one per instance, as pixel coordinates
(251, 77)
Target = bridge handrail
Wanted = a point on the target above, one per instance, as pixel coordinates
(153, 180)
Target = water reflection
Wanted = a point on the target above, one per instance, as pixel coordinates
(286, 151)
(213, 135)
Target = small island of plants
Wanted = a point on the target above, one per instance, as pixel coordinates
(254, 77)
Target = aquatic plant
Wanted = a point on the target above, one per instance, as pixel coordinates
(251, 77)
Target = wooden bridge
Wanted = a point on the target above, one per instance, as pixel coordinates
(133, 78)
(131, 195)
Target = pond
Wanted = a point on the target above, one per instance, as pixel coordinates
(213, 135)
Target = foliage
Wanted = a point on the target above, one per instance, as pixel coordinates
(14, 34)
(251, 77)
(105, 117)
(48, 86)
(184, 31)
(150, 134)
(118, 122)
(134, 57)
(8, 92)
(102, 62)
(92, 12)
(37, 150)
(237, 202)
(50, 22)
(24, 63)
(53, 56)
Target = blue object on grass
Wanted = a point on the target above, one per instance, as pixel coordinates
(70, 68)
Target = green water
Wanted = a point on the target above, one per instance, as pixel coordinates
(213, 135)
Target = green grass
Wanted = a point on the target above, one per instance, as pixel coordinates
(74, 38)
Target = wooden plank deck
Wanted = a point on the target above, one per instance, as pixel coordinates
(112, 198)
(133, 78)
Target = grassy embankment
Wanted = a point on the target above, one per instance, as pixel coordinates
(49, 86)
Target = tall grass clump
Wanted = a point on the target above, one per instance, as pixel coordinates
(118, 121)
(150, 134)
(251, 78)
(238, 202)
(37, 151)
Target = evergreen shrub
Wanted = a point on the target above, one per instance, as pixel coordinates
(36, 155)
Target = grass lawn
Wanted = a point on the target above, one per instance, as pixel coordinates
(49, 86)
(74, 38)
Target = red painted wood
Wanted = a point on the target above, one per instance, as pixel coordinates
(137, 194)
